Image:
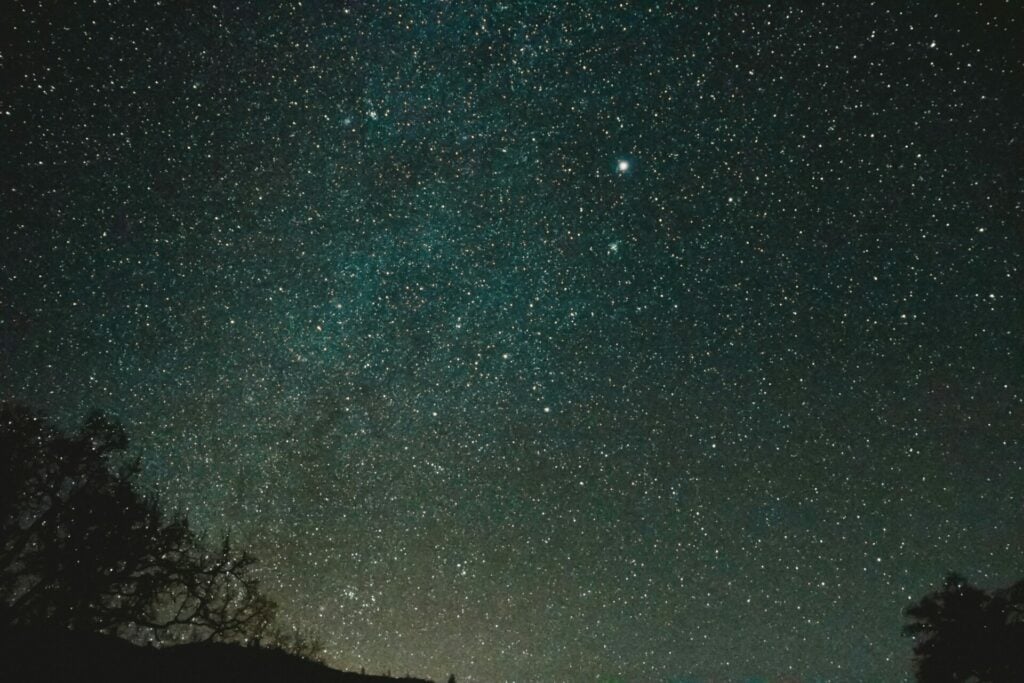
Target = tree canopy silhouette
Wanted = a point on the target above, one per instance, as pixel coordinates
(82, 547)
(964, 633)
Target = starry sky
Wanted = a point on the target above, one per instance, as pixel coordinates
(541, 341)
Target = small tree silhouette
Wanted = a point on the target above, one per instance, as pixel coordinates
(964, 633)
(81, 547)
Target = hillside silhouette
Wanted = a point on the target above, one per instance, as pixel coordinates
(54, 655)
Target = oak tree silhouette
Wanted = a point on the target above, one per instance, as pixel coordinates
(82, 547)
(964, 633)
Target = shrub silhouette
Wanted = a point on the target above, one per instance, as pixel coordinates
(82, 547)
(964, 633)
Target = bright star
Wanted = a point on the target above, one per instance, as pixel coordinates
(623, 166)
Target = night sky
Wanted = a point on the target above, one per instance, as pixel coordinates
(541, 341)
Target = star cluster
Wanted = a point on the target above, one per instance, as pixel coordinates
(541, 341)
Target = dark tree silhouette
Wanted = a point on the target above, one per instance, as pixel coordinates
(964, 633)
(81, 547)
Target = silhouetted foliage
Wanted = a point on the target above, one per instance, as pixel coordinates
(81, 547)
(964, 633)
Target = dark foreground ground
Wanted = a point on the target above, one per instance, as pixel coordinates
(63, 656)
